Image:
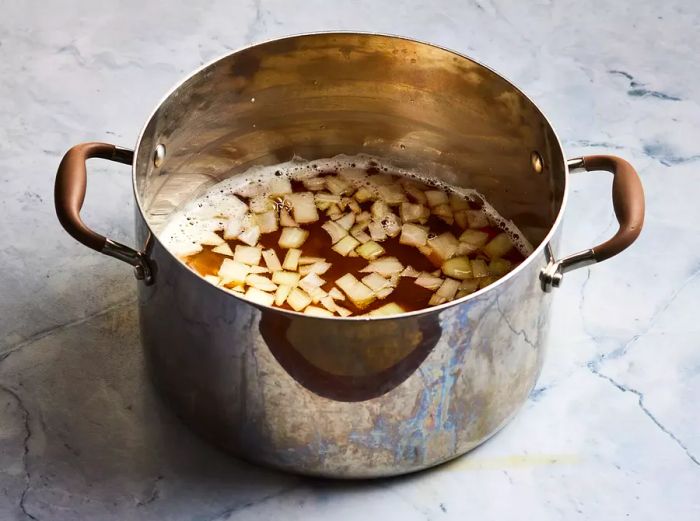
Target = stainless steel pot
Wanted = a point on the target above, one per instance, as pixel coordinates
(355, 397)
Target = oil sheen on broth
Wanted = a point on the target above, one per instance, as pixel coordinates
(344, 237)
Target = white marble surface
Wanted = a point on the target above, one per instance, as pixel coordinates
(611, 432)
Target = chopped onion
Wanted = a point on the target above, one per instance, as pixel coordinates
(259, 296)
(444, 246)
(416, 193)
(436, 198)
(413, 235)
(186, 248)
(317, 312)
(498, 246)
(436, 300)
(260, 282)
(345, 245)
(376, 231)
(334, 212)
(303, 207)
(213, 279)
(343, 312)
(247, 255)
(353, 253)
(236, 289)
(285, 278)
(410, 272)
(279, 186)
(259, 269)
(336, 231)
(267, 221)
(384, 293)
(479, 269)
(461, 218)
(486, 281)
(318, 267)
(317, 294)
(324, 200)
(364, 194)
(428, 281)
(360, 235)
(474, 239)
(467, 287)
(395, 278)
(356, 291)
(425, 250)
(281, 294)
(261, 204)
(314, 183)
(232, 272)
(375, 282)
(291, 260)
(387, 309)
(310, 260)
(499, 267)
(380, 209)
(354, 206)
(338, 186)
(223, 249)
(444, 212)
(457, 268)
(328, 303)
(458, 202)
(448, 288)
(391, 224)
(209, 238)
(414, 213)
(363, 217)
(370, 250)
(310, 282)
(477, 219)
(250, 235)
(271, 259)
(384, 266)
(298, 299)
(292, 237)
(286, 218)
(233, 228)
(346, 221)
(392, 194)
(336, 294)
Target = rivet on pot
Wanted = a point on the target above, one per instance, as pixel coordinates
(159, 155)
(537, 164)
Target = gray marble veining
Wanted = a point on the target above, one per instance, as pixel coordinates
(610, 432)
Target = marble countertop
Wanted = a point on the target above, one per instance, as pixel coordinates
(612, 430)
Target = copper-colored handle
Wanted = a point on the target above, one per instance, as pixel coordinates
(69, 195)
(628, 203)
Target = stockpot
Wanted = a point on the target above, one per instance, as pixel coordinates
(347, 397)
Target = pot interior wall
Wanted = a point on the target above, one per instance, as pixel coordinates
(315, 96)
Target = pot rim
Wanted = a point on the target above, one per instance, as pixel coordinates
(410, 314)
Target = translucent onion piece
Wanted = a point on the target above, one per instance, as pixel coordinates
(267, 221)
(303, 207)
(477, 219)
(486, 281)
(345, 245)
(436, 300)
(291, 260)
(376, 231)
(281, 294)
(384, 293)
(343, 312)
(209, 238)
(261, 204)
(356, 291)
(346, 221)
(271, 259)
(285, 278)
(444, 212)
(458, 202)
(185, 249)
(498, 246)
(448, 289)
(317, 312)
(336, 294)
(259, 269)
(410, 272)
(354, 206)
(436, 197)
(233, 228)
(360, 235)
(250, 235)
(461, 218)
(324, 199)
(338, 186)
(213, 279)
(364, 194)
(392, 194)
(428, 281)
(375, 281)
(380, 209)
(384, 266)
(279, 186)
(336, 231)
(416, 193)
(292, 237)
(260, 282)
(259, 296)
(318, 267)
(387, 309)
(370, 250)
(457, 268)
(310, 260)
(413, 235)
(474, 239)
(247, 255)
(311, 281)
(314, 183)
(298, 299)
(444, 246)
(469, 285)
(414, 213)
(363, 217)
(479, 269)
(232, 272)
(328, 303)
(286, 218)
(500, 267)
(223, 249)
(317, 294)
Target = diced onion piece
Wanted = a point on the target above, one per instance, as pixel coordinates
(376, 231)
(461, 218)
(213, 279)
(259, 269)
(499, 267)
(236, 289)
(310, 260)
(346, 221)
(436, 300)
(324, 200)
(448, 288)
(336, 231)
(498, 246)
(364, 194)
(477, 219)
(370, 250)
(413, 235)
(356, 291)
(343, 204)
(485, 281)
(317, 294)
(444, 212)
(281, 294)
(380, 209)
(428, 281)
(444, 246)
(375, 281)
(286, 218)
(409, 271)
(185, 249)
(363, 217)
(474, 239)
(414, 213)
(279, 186)
(384, 266)
(233, 228)
(463, 249)
(209, 238)
(311, 281)
(457, 268)
(458, 202)
(250, 235)
(260, 282)
(345, 245)
(247, 255)
(316, 311)
(391, 224)
(259, 296)
(328, 303)
(292, 237)
(291, 259)
(425, 250)
(416, 193)
(285, 278)
(314, 183)
(336, 294)
(354, 206)
(353, 253)
(360, 235)
(267, 221)
(298, 299)
(436, 198)
(338, 186)
(318, 267)
(385, 292)
(303, 207)
(387, 309)
(271, 259)
(232, 272)
(343, 312)
(261, 204)
(223, 249)
(479, 269)
(467, 287)
(395, 278)
(392, 194)
(334, 212)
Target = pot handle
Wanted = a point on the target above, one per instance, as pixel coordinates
(69, 194)
(628, 202)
